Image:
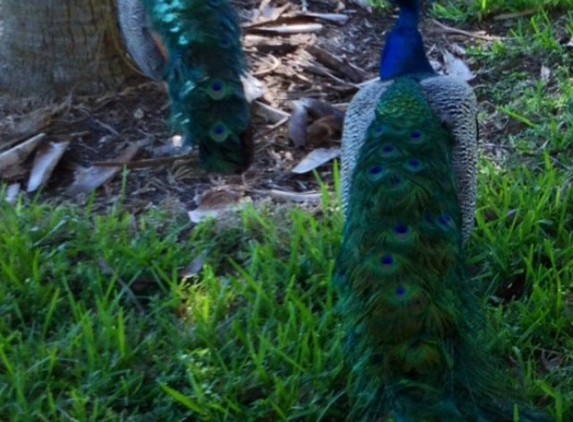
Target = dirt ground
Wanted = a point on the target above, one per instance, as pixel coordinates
(291, 68)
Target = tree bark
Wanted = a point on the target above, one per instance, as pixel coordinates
(49, 48)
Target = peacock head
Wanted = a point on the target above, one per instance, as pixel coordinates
(403, 53)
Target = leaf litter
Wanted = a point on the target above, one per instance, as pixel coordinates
(296, 70)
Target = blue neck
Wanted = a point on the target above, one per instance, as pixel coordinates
(404, 52)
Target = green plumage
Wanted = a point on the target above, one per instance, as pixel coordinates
(416, 334)
(204, 67)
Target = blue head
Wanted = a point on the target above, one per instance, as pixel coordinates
(404, 52)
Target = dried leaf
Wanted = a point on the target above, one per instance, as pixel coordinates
(363, 3)
(47, 156)
(26, 125)
(18, 154)
(324, 130)
(436, 65)
(329, 17)
(330, 121)
(12, 192)
(269, 114)
(318, 108)
(457, 67)
(16, 128)
(15, 172)
(88, 179)
(215, 203)
(315, 159)
(194, 267)
(254, 88)
(297, 124)
(458, 49)
(552, 361)
(329, 60)
(545, 73)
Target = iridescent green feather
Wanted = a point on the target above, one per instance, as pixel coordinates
(205, 64)
(415, 330)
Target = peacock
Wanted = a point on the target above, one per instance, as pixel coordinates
(416, 336)
(195, 46)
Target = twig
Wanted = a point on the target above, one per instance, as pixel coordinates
(272, 66)
(336, 64)
(514, 15)
(323, 72)
(152, 162)
(466, 33)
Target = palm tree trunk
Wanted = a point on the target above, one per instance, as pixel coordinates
(49, 48)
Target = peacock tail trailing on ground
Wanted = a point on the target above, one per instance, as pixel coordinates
(195, 47)
(416, 334)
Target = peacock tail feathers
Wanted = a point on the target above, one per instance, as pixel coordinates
(416, 334)
(397, 268)
(205, 64)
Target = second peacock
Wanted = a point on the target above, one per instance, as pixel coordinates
(195, 46)
(416, 334)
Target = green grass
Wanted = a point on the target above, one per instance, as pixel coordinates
(459, 10)
(97, 325)
(104, 330)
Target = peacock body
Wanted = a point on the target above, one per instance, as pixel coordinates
(194, 45)
(416, 334)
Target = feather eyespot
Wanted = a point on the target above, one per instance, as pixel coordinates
(219, 132)
(401, 291)
(402, 232)
(387, 260)
(378, 130)
(225, 43)
(217, 86)
(414, 165)
(375, 173)
(387, 150)
(416, 136)
(217, 90)
(446, 221)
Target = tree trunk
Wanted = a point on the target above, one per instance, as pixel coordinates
(49, 48)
